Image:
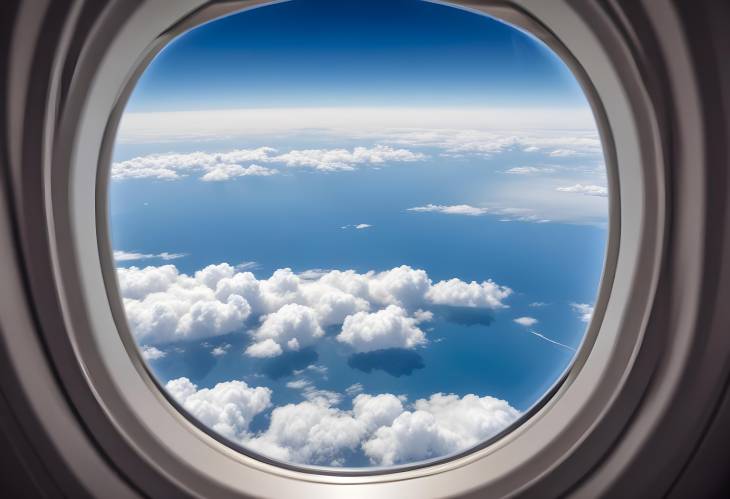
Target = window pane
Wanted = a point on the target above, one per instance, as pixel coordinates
(358, 234)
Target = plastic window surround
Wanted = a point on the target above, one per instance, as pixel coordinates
(202, 465)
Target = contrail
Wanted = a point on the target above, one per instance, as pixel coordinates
(543, 337)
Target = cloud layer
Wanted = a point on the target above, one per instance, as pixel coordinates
(218, 167)
(315, 431)
(288, 311)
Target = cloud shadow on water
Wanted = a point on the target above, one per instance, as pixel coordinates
(394, 361)
(194, 361)
(466, 316)
(288, 362)
(333, 330)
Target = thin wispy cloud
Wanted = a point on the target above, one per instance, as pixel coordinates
(586, 189)
(456, 209)
(530, 170)
(448, 127)
(128, 256)
(241, 267)
(584, 311)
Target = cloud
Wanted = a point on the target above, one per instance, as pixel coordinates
(386, 429)
(290, 311)
(440, 425)
(227, 172)
(127, 256)
(151, 353)
(309, 433)
(220, 350)
(316, 433)
(458, 209)
(223, 166)
(562, 153)
(264, 349)
(357, 226)
(447, 125)
(387, 328)
(529, 170)
(586, 189)
(343, 159)
(174, 166)
(584, 311)
(538, 304)
(162, 305)
(293, 326)
(354, 389)
(316, 368)
(227, 408)
(458, 293)
(458, 142)
(526, 321)
(314, 394)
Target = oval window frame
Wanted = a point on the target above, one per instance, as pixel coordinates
(637, 253)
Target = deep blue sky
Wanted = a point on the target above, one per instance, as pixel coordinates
(371, 52)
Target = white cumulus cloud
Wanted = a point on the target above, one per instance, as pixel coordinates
(222, 173)
(223, 166)
(437, 426)
(162, 305)
(151, 353)
(291, 327)
(264, 349)
(174, 166)
(387, 328)
(220, 350)
(344, 159)
(384, 427)
(526, 321)
(316, 433)
(456, 292)
(227, 408)
(289, 311)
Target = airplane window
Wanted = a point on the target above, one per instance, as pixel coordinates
(358, 235)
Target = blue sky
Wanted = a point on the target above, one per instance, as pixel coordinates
(326, 52)
(382, 224)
